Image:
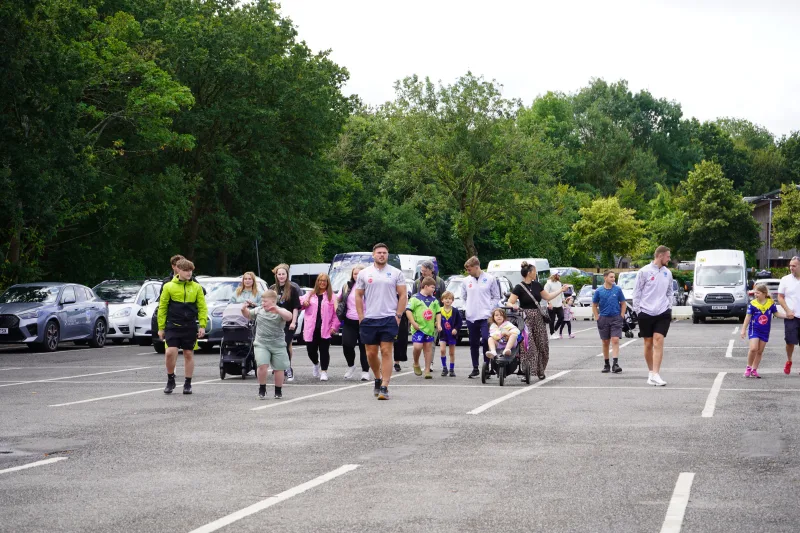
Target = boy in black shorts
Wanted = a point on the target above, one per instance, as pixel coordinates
(181, 309)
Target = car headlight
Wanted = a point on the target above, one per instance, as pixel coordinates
(218, 311)
(122, 313)
(28, 315)
(699, 295)
(740, 296)
(141, 313)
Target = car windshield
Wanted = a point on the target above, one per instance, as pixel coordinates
(586, 290)
(454, 286)
(220, 290)
(15, 295)
(719, 275)
(627, 283)
(118, 291)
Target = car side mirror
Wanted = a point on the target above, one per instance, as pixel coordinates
(68, 300)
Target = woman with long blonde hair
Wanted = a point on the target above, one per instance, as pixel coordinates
(247, 291)
(288, 298)
(319, 323)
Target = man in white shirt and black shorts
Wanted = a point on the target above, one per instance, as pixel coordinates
(384, 289)
(789, 300)
(652, 301)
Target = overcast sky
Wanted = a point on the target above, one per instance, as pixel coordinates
(715, 57)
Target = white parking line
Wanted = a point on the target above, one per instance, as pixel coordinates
(621, 346)
(72, 377)
(274, 500)
(729, 352)
(494, 402)
(279, 403)
(677, 505)
(711, 401)
(587, 329)
(121, 395)
(33, 465)
(11, 368)
(735, 330)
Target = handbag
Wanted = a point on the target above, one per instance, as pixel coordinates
(544, 314)
(341, 306)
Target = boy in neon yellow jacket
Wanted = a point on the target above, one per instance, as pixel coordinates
(181, 309)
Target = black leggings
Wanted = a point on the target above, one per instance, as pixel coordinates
(556, 318)
(318, 344)
(567, 323)
(351, 338)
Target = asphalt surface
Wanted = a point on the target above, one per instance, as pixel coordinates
(582, 451)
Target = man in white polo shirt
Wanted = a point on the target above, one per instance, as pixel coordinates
(384, 289)
(789, 299)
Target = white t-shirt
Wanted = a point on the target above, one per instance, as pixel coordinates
(380, 290)
(555, 286)
(790, 288)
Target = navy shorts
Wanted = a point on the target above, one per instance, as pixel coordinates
(791, 330)
(377, 330)
(448, 337)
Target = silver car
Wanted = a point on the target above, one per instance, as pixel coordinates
(126, 298)
(585, 295)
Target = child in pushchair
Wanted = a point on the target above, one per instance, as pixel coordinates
(236, 350)
(630, 322)
(505, 336)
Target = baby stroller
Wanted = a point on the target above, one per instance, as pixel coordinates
(236, 355)
(630, 322)
(505, 365)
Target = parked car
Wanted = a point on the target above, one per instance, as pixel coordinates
(585, 295)
(566, 271)
(454, 286)
(771, 283)
(43, 314)
(125, 300)
(218, 296)
(678, 294)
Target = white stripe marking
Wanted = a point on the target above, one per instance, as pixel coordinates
(729, 351)
(677, 505)
(735, 330)
(620, 346)
(711, 401)
(494, 402)
(148, 353)
(71, 377)
(278, 403)
(12, 368)
(121, 395)
(274, 500)
(33, 465)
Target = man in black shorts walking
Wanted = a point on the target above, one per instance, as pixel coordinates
(652, 301)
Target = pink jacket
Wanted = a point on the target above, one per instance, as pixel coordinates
(329, 320)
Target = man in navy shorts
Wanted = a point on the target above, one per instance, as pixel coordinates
(383, 289)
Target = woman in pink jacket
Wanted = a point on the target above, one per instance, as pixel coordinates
(319, 323)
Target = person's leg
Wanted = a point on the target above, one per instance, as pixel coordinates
(484, 324)
(374, 360)
(262, 373)
(648, 352)
(386, 362)
(551, 312)
(452, 357)
(606, 344)
(752, 353)
(658, 352)
(324, 354)
(492, 351)
(760, 354)
(188, 363)
(362, 352)
(349, 341)
(427, 347)
(512, 341)
(559, 311)
(474, 330)
(171, 359)
(614, 347)
(415, 352)
(569, 326)
(313, 350)
(443, 351)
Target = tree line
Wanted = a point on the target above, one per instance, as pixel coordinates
(134, 130)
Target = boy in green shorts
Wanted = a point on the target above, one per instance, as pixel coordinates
(270, 342)
(424, 315)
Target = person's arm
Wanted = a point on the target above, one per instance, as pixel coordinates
(163, 304)
(360, 304)
(464, 291)
(246, 311)
(778, 311)
(284, 313)
(623, 303)
(402, 299)
(202, 312)
(782, 303)
(549, 296)
(512, 301)
(494, 293)
(410, 317)
(637, 291)
(670, 290)
(439, 322)
(746, 322)
(548, 287)
(596, 310)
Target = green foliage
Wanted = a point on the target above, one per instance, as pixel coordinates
(606, 230)
(785, 220)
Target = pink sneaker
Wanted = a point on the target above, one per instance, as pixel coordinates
(571, 335)
(754, 374)
(748, 372)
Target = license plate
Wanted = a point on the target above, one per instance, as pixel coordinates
(719, 307)
(3, 331)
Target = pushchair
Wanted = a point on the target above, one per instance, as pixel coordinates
(505, 365)
(236, 354)
(630, 322)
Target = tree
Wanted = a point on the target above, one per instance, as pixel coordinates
(785, 220)
(715, 214)
(606, 230)
(666, 223)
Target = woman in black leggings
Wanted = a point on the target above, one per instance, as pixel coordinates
(346, 312)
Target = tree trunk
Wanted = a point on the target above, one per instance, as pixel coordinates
(222, 262)
(193, 230)
(469, 246)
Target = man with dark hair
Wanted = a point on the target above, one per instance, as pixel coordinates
(789, 300)
(383, 289)
(652, 301)
(608, 307)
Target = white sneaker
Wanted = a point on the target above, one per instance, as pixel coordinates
(657, 381)
(315, 371)
(350, 371)
(323, 376)
(555, 336)
(365, 376)
(650, 379)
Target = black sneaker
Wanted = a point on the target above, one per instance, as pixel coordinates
(452, 373)
(170, 386)
(377, 390)
(289, 374)
(606, 368)
(616, 368)
(542, 376)
(474, 374)
(444, 372)
(187, 388)
(262, 393)
(397, 367)
(384, 393)
(278, 395)
(492, 372)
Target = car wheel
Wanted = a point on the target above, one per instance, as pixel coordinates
(52, 332)
(159, 347)
(98, 339)
(695, 319)
(144, 341)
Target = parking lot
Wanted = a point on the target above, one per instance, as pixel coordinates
(88, 442)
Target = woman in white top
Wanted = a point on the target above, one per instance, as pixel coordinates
(555, 306)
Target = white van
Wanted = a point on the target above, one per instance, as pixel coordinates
(509, 268)
(409, 264)
(720, 285)
(305, 274)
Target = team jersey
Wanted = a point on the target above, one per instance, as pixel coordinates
(761, 319)
(424, 309)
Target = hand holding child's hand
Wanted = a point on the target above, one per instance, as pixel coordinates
(742, 335)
